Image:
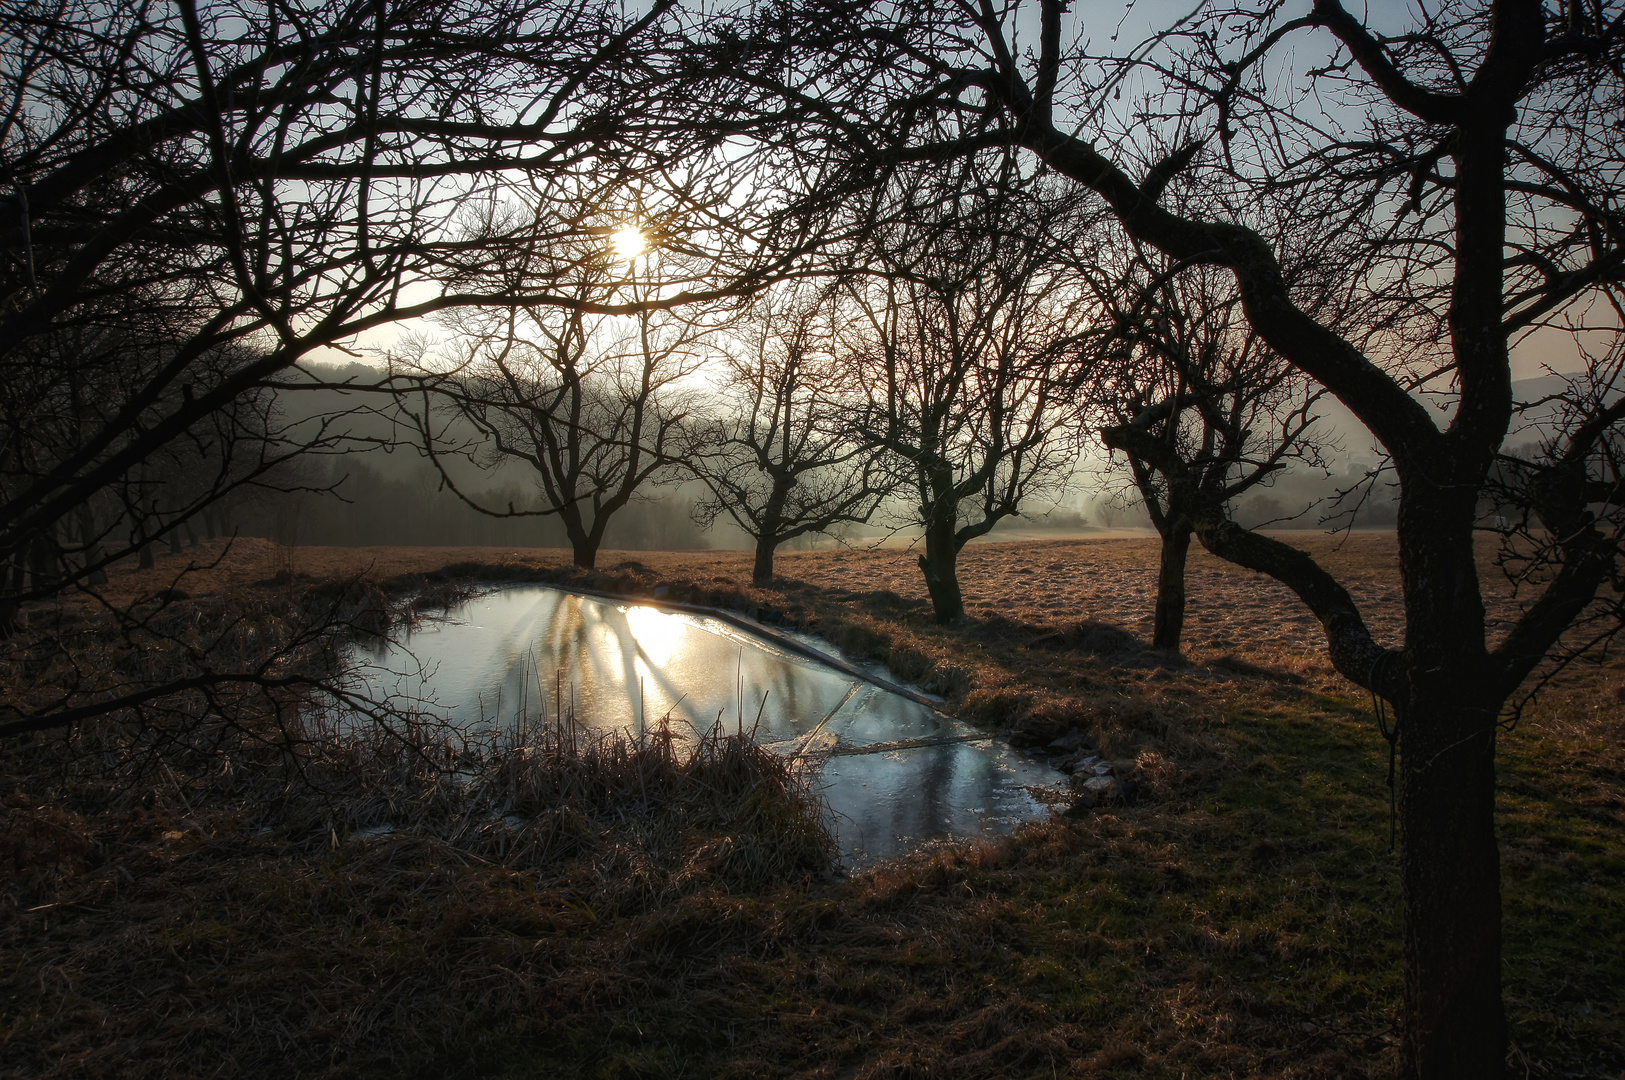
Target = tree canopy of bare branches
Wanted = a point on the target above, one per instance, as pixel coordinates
(1201, 409)
(596, 406)
(965, 332)
(194, 196)
(782, 460)
(1474, 148)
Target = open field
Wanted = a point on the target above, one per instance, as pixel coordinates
(1110, 579)
(1241, 920)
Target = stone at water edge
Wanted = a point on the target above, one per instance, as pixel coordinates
(1098, 786)
(1072, 742)
(1080, 806)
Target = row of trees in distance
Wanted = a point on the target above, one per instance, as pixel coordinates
(992, 330)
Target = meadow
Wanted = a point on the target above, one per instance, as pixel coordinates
(1240, 919)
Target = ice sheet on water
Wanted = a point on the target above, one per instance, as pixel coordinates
(533, 651)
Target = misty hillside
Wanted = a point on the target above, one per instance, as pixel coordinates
(377, 488)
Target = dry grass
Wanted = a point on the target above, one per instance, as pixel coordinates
(309, 904)
(1242, 921)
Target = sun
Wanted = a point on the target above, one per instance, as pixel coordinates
(628, 242)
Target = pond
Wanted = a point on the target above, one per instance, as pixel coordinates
(896, 771)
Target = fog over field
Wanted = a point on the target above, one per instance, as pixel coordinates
(377, 488)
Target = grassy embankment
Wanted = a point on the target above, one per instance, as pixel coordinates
(1241, 920)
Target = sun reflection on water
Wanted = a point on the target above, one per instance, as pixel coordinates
(656, 633)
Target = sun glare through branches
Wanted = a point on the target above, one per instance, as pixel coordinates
(628, 243)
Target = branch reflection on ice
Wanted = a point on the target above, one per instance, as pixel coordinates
(895, 771)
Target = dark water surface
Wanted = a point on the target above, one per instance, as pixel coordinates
(531, 651)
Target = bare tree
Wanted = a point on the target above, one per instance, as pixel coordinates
(964, 329)
(193, 197)
(596, 406)
(64, 388)
(1202, 410)
(783, 461)
(1475, 146)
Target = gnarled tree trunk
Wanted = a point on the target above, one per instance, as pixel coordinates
(1170, 614)
(583, 542)
(1447, 695)
(772, 524)
(940, 565)
(88, 542)
(584, 549)
(762, 571)
(1453, 1025)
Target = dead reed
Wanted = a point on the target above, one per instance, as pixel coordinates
(662, 810)
(238, 918)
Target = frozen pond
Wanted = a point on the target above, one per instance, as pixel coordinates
(896, 772)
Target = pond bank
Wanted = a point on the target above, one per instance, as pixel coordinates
(521, 657)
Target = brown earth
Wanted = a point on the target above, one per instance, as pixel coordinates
(1039, 583)
(1111, 580)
